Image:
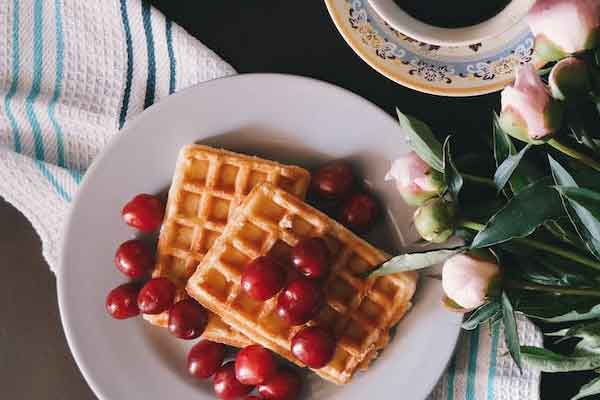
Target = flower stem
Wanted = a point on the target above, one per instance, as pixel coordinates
(571, 152)
(479, 179)
(552, 289)
(536, 244)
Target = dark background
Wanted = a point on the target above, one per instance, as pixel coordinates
(295, 37)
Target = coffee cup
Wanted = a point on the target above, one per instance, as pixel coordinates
(425, 28)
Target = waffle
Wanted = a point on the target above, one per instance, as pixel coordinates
(208, 185)
(358, 311)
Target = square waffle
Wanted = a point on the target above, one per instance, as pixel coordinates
(208, 185)
(358, 311)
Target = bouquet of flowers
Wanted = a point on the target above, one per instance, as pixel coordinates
(531, 227)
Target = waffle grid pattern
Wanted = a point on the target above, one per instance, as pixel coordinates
(208, 186)
(360, 312)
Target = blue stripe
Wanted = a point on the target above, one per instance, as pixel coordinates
(60, 45)
(172, 61)
(37, 79)
(151, 79)
(451, 377)
(57, 186)
(129, 74)
(492, 369)
(472, 370)
(15, 78)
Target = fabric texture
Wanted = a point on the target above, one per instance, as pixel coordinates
(73, 72)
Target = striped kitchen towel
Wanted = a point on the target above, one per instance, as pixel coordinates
(72, 72)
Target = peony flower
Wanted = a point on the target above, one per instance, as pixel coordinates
(529, 113)
(570, 78)
(434, 220)
(563, 27)
(468, 279)
(415, 179)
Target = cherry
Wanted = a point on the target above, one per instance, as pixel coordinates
(311, 257)
(121, 302)
(299, 301)
(333, 180)
(253, 398)
(134, 259)
(226, 385)
(156, 296)
(359, 212)
(284, 385)
(262, 278)
(205, 358)
(144, 212)
(187, 319)
(254, 364)
(313, 346)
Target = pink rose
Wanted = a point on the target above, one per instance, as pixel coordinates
(415, 179)
(563, 27)
(529, 113)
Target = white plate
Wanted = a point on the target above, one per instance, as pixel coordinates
(289, 119)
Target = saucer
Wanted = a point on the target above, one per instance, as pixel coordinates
(472, 70)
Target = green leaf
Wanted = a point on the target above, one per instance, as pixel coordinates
(511, 335)
(503, 149)
(544, 270)
(589, 389)
(452, 177)
(531, 207)
(586, 198)
(579, 215)
(508, 167)
(549, 361)
(482, 314)
(556, 308)
(422, 141)
(563, 230)
(414, 261)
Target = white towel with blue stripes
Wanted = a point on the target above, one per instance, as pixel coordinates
(72, 72)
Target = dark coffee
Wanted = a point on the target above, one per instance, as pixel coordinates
(452, 14)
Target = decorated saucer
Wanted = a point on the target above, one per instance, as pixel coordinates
(472, 70)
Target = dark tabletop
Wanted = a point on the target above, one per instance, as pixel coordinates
(295, 37)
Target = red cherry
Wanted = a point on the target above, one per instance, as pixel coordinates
(311, 257)
(144, 212)
(187, 319)
(359, 212)
(300, 301)
(121, 302)
(253, 398)
(226, 385)
(134, 259)
(205, 358)
(263, 277)
(333, 180)
(313, 346)
(284, 385)
(156, 296)
(254, 364)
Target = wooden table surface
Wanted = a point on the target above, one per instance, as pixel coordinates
(254, 36)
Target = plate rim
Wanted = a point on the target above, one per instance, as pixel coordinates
(114, 141)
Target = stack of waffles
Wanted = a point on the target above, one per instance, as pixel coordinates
(224, 210)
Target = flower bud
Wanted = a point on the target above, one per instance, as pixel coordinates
(563, 27)
(529, 113)
(434, 220)
(468, 279)
(415, 179)
(570, 78)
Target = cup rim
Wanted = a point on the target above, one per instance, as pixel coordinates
(403, 22)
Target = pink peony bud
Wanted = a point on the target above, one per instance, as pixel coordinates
(468, 279)
(529, 113)
(564, 27)
(416, 181)
(570, 78)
